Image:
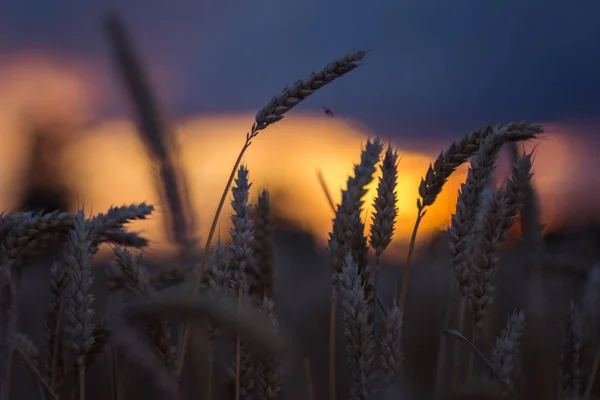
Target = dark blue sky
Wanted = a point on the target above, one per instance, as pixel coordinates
(436, 67)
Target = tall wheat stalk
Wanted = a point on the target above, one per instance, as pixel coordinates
(271, 113)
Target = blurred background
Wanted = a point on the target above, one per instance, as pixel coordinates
(69, 130)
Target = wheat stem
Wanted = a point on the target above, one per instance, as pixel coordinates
(409, 257)
(323, 184)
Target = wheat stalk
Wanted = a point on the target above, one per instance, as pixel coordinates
(272, 112)
(446, 163)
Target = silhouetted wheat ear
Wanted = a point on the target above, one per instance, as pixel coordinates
(25, 233)
(79, 327)
(462, 227)
(458, 153)
(385, 213)
(242, 232)
(347, 233)
(53, 361)
(520, 181)
(264, 227)
(293, 94)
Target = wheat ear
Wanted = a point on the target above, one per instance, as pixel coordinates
(23, 233)
(358, 333)
(53, 363)
(264, 227)
(272, 112)
(384, 218)
(347, 234)
(79, 328)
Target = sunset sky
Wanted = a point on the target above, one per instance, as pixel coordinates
(436, 70)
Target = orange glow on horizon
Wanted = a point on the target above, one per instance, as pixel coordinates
(112, 168)
(108, 165)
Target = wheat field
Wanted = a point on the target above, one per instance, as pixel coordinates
(260, 313)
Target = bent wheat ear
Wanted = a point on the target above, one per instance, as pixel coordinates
(446, 163)
(458, 153)
(293, 94)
